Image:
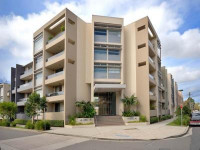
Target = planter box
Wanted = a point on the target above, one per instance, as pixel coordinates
(84, 120)
(128, 119)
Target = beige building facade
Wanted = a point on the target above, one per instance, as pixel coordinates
(101, 62)
(4, 92)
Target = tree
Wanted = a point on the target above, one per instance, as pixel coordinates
(86, 109)
(43, 105)
(129, 101)
(186, 111)
(32, 105)
(8, 110)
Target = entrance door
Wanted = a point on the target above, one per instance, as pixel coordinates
(107, 103)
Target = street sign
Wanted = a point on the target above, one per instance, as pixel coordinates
(181, 106)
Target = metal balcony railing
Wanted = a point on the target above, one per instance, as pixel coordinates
(55, 94)
(54, 56)
(55, 74)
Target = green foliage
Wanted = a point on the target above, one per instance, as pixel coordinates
(62, 28)
(137, 113)
(43, 103)
(13, 124)
(34, 104)
(8, 110)
(72, 120)
(42, 125)
(154, 119)
(29, 125)
(165, 117)
(143, 119)
(129, 101)
(50, 37)
(128, 113)
(86, 109)
(21, 121)
(5, 123)
(186, 111)
(56, 123)
(177, 122)
(152, 107)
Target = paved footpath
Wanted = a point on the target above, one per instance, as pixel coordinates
(135, 132)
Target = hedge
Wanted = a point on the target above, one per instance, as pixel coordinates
(56, 123)
(21, 121)
(42, 125)
(153, 119)
(5, 123)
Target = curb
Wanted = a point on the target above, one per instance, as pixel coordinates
(30, 130)
(110, 139)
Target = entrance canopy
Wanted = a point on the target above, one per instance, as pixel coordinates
(109, 87)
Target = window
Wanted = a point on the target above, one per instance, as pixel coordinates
(100, 71)
(58, 88)
(114, 55)
(38, 43)
(39, 92)
(114, 73)
(100, 54)
(114, 36)
(38, 79)
(38, 63)
(100, 35)
(57, 107)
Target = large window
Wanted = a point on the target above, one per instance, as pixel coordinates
(38, 79)
(114, 55)
(38, 62)
(100, 35)
(39, 92)
(38, 43)
(114, 36)
(100, 54)
(107, 71)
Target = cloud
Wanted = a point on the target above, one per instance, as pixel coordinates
(184, 74)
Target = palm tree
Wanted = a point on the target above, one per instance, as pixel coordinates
(129, 101)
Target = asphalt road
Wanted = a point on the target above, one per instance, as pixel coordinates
(45, 141)
(10, 133)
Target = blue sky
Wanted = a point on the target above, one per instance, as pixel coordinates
(177, 23)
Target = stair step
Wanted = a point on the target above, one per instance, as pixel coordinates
(108, 120)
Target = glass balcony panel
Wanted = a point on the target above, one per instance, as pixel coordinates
(55, 74)
(55, 93)
(54, 56)
(114, 36)
(56, 37)
(100, 35)
(151, 76)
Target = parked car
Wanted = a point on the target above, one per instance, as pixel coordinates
(195, 119)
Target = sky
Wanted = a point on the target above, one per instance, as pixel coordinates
(177, 23)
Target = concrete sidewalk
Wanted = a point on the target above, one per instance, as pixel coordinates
(143, 132)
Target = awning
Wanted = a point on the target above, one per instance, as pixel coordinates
(109, 87)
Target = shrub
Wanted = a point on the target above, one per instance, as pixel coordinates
(29, 125)
(137, 113)
(42, 125)
(128, 113)
(186, 111)
(5, 123)
(20, 121)
(143, 118)
(153, 119)
(86, 108)
(177, 122)
(13, 124)
(56, 123)
(72, 120)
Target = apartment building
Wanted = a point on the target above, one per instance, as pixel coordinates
(180, 98)
(100, 62)
(4, 92)
(21, 86)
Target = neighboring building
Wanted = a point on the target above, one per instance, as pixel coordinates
(4, 92)
(99, 61)
(180, 98)
(21, 86)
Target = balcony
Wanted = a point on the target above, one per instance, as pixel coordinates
(55, 61)
(28, 74)
(152, 96)
(55, 97)
(14, 90)
(56, 39)
(55, 79)
(152, 51)
(52, 116)
(152, 65)
(22, 101)
(153, 113)
(152, 80)
(25, 88)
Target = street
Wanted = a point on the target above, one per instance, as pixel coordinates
(24, 140)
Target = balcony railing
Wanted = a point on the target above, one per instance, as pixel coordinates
(55, 74)
(25, 85)
(23, 99)
(152, 77)
(26, 73)
(55, 37)
(151, 45)
(151, 93)
(151, 60)
(54, 56)
(55, 94)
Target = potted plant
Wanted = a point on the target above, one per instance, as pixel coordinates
(62, 28)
